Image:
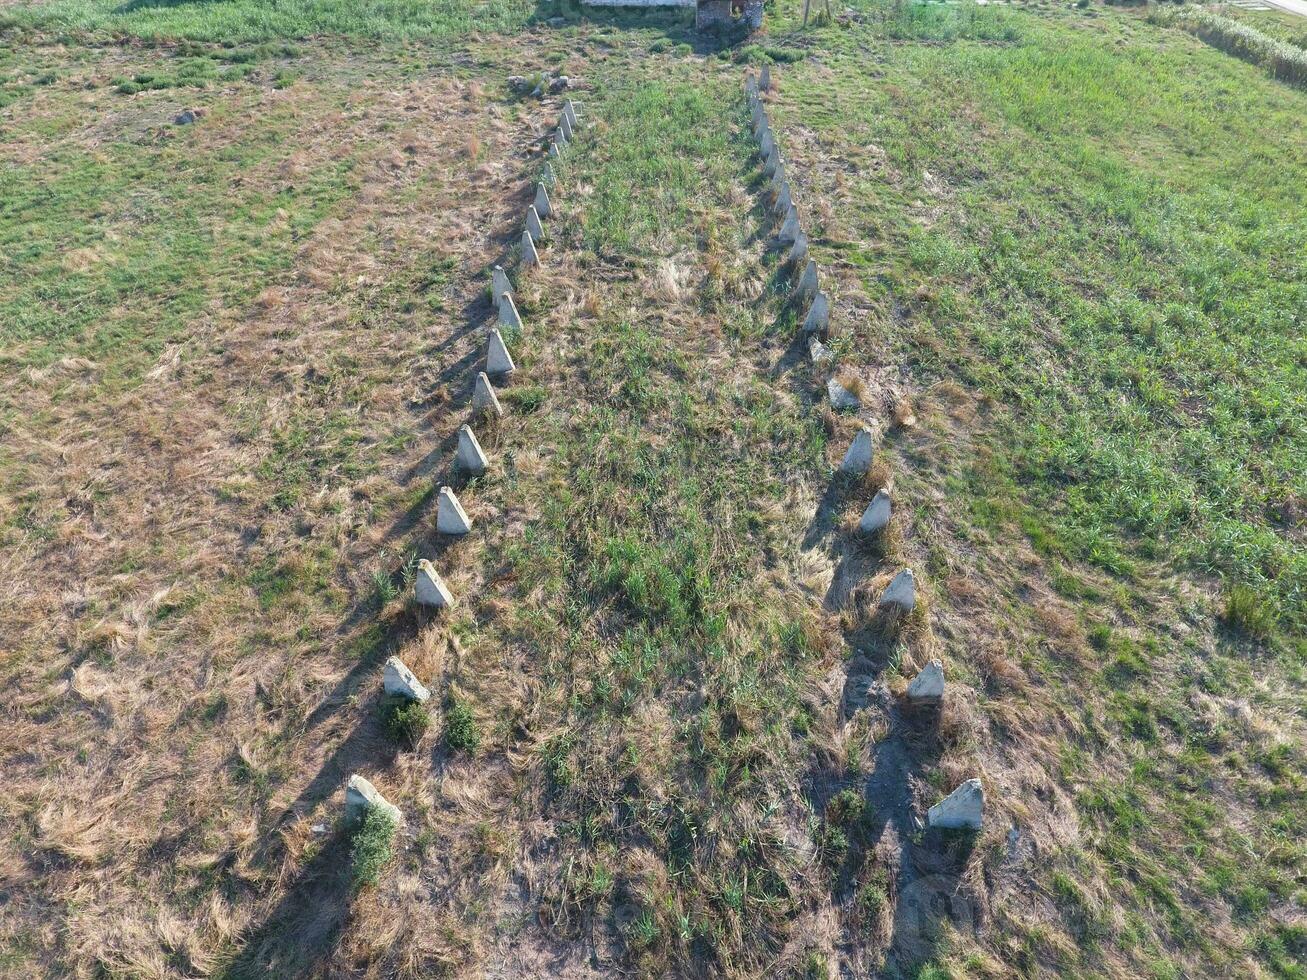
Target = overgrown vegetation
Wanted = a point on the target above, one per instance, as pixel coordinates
(372, 846)
(1284, 60)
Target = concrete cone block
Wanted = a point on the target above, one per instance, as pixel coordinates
(841, 399)
(808, 281)
(398, 681)
(500, 284)
(498, 360)
(360, 795)
(750, 83)
(901, 593)
(818, 318)
(429, 588)
(451, 518)
(554, 152)
(569, 110)
(773, 162)
(799, 250)
(530, 257)
(565, 127)
(821, 354)
(766, 144)
(778, 179)
(928, 686)
(790, 226)
(469, 455)
(877, 514)
(547, 175)
(543, 208)
(560, 138)
(508, 313)
(764, 78)
(963, 809)
(783, 200)
(858, 457)
(484, 399)
(533, 226)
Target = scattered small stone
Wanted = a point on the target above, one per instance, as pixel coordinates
(500, 284)
(484, 399)
(530, 257)
(821, 354)
(508, 313)
(185, 117)
(319, 828)
(841, 399)
(901, 593)
(451, 518)
(877, 514)
(361, 794)
(799, 250)
(560, 83)
(470, 456)
(928, 686)
(858, 457)
(556, 21)
(429, 588)
(397, 680)
(790, 226)
(533, 226)
(543, 208)
(808, 281)
(498, 360)
(960, 810)
(818, 318)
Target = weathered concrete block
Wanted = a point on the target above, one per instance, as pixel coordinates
(764, 78)
(808, 281)
(508, 316)
(498, 360)
(778, 179)
(783, 200)
(901, 593)
(398, 681)
(500, 284)
(841, 399)
(542, 204)
(799, 250)
(818, 318)
(766, 143)
(790, 229)
(429, 588)
(821, 354)
(750, 82)
(877, 514)
(569, 110)
(560, 138)
(533, 226)
(772, 163)
(565, 127)
(858, 457)
(963, 809)
(450, 516)
(554, 151)
(469, 455)
(484, 399)
(928, 686)
(361, 794)
(530, 257)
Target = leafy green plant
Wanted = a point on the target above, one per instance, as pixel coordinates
(461, 731)
(406, 721)
(373, 846)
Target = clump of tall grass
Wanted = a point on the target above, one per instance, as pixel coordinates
(1283, 60)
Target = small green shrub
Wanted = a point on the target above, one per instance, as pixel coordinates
(1249, 613)
(373, 847)
(406, 721)
(845, 808)
(461, 730)
(832, 845)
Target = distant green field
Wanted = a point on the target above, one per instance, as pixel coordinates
(249, 20)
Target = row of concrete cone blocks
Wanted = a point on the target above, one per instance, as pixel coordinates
(817, 318)
(962, 808)
(541, 207)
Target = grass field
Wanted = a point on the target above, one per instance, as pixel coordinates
(1069, 273)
